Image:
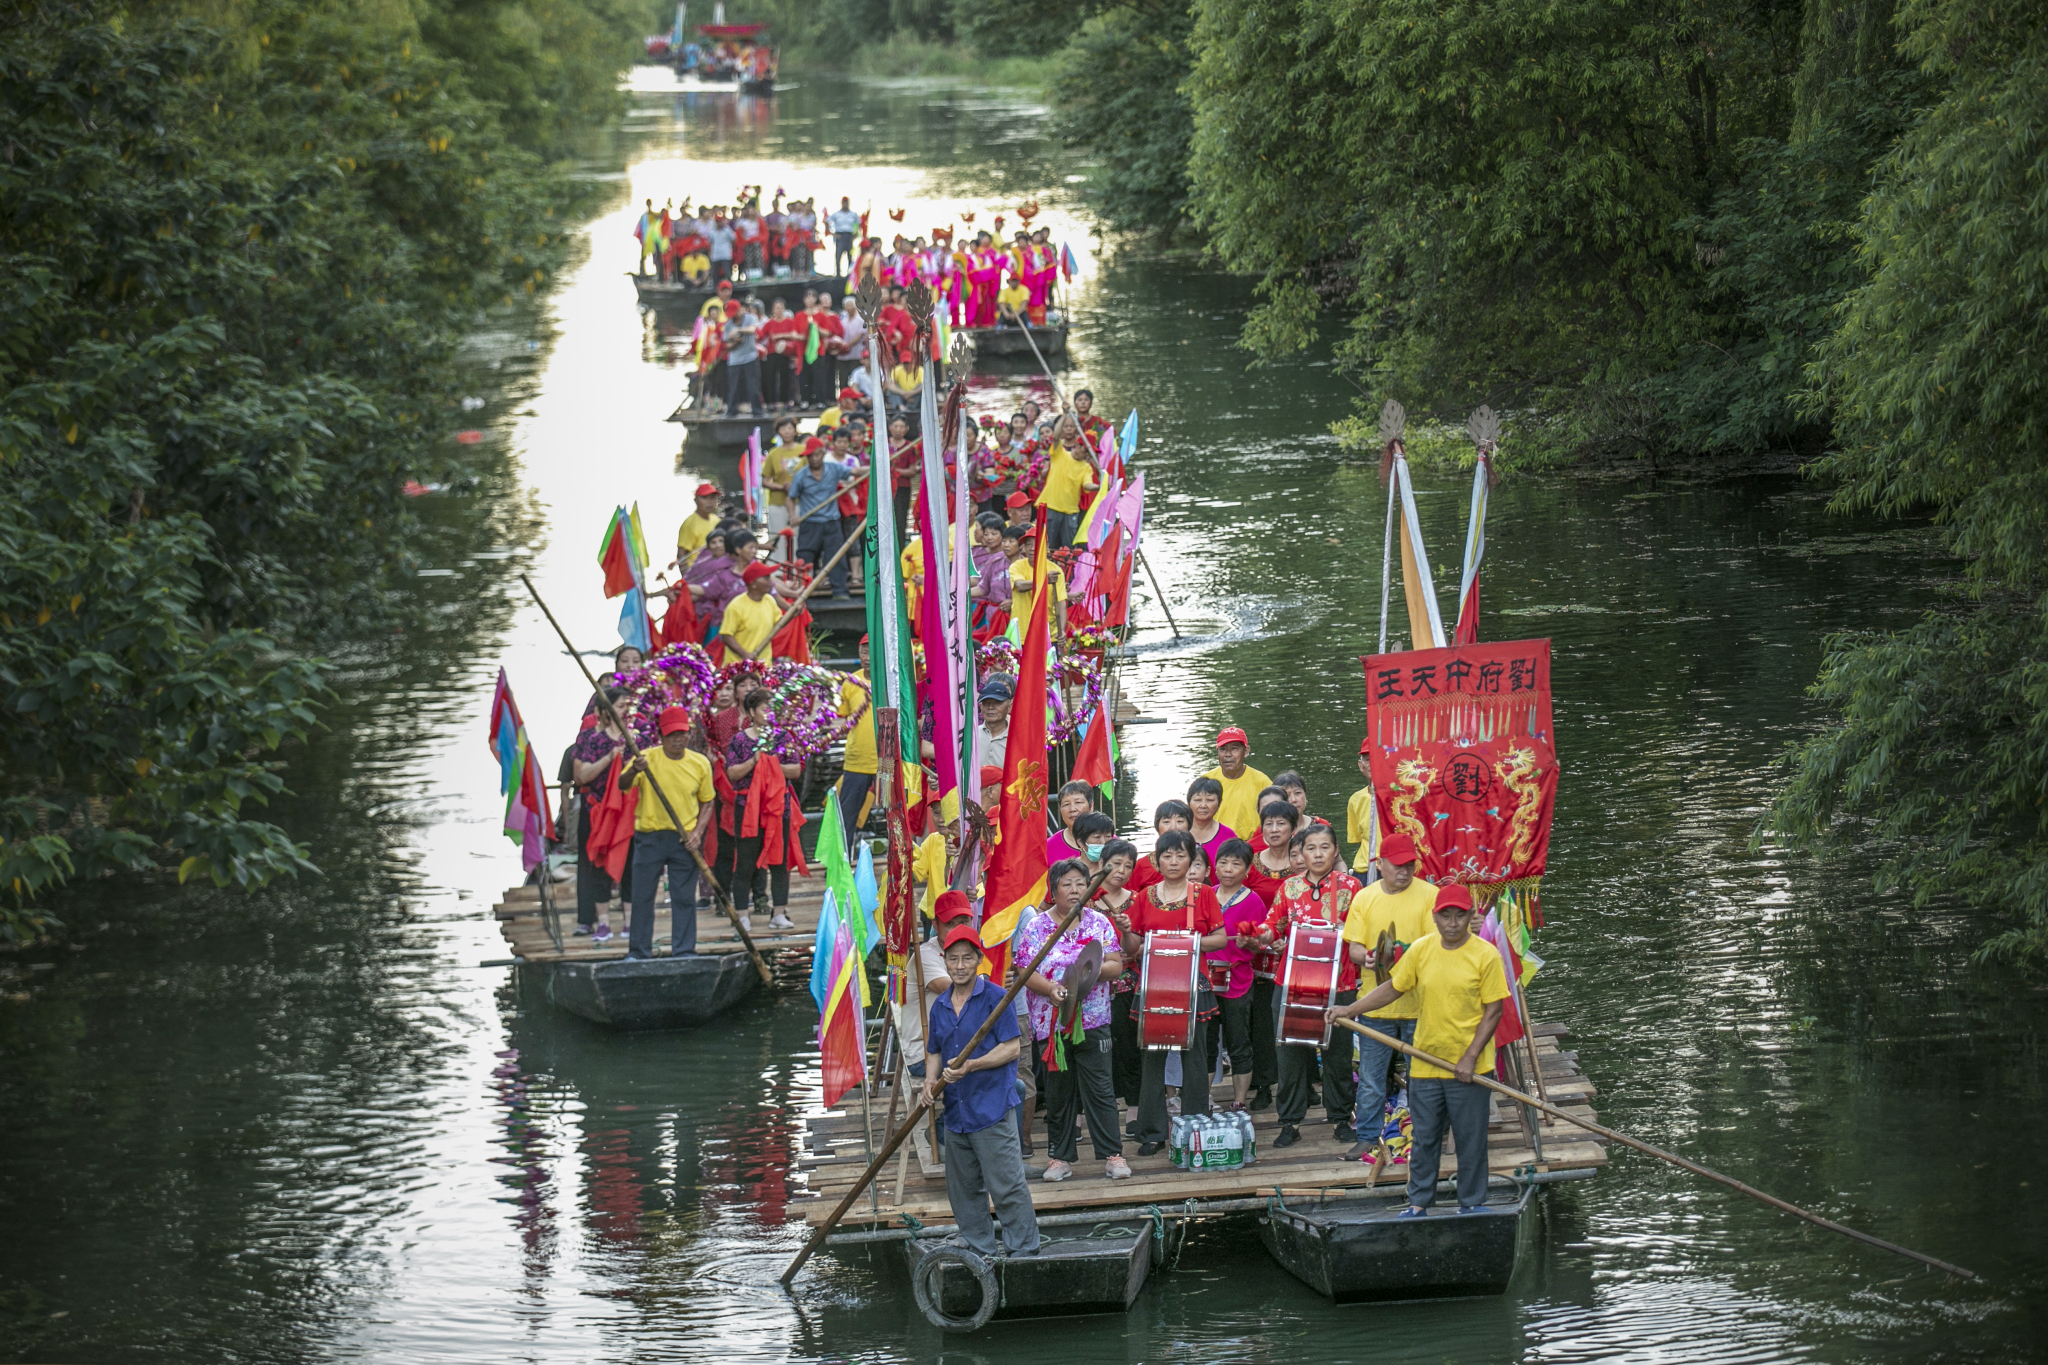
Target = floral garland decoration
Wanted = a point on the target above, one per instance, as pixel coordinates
(680, 675)
(803, 718)
(1070, 671)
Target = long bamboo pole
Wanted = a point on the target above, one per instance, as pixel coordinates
(796, 604)
(917, 1111)
(1682, 1163)
(626, 733)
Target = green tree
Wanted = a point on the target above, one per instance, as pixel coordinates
(235, 263)
(1497, 189)
(1939, 746)
(1118, 94)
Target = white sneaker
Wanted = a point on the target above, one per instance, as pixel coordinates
(1173, 1104)
(747, 923)
(1057, 1170)
(781, 922)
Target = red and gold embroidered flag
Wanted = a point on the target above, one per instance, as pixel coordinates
(1464, 761)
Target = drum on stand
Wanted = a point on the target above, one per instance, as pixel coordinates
(1166, 990)
(1308, 983)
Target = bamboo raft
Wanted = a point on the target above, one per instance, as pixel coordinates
(914, 1185)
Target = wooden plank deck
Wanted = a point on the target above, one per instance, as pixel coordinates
(835, 1154)
(524, 926)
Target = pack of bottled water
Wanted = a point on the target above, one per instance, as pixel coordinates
(1211, 1142)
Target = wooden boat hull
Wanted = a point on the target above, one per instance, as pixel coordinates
(751, 86)
(1071, 1276)
(1011, 341)
(1357, 1251)
(725, 431)
(658, 993)
(654, 294)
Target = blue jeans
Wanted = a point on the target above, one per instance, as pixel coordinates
(654, 850)
(1373, 1059)
(1435, 1103)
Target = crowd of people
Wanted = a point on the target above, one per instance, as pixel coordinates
(700, 247)
(1241, 861)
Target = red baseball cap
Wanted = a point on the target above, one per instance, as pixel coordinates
(1398, 849)
(756, 571)
(951, 905)
(991, 776)
(1365, 745)
(709, 490)
(960, 932)
(1016, 500)
(1452, 896)
(674, 718)
(1232, 735)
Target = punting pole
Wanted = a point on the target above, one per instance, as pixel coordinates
(796, 604)
(1387, 566)
(625, 732)
(923, 1105)
(1625, 1140)
(1158, 592)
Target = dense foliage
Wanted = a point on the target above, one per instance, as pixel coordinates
(234, 263)
(1934, 383)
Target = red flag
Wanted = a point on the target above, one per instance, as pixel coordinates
(616, 556)
(1093, 763)
(793, 641)
(1016, 874)
(611, 822)
(679, 624)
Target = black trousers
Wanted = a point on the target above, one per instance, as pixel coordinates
(842, 252)
(817, 540)
(1127, 1059)
(1194, 1086)
(1265, 1060)
(1297, 1073)
(743, 384)
(814, 385)
(853, 794)
(1231, 1031)
(778, 380)
(753, 882)
(1083, 1085)
(593, 883)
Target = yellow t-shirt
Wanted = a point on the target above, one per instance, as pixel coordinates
(1020, 591)
(1064, 476)
(1012, 299)
(1362, 827)
(751, 624)
(686, 780)
(912, 560)
(696, 529)
(1375, 910)
(1240, 809)
(1453, 989)
(909, 378)
(781, 463)
(860, 740)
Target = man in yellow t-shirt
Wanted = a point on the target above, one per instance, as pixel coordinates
(857, 772)
(684, 777)
(1241, 783)
(1399, 904)
(1010, 301)
(698, 526)
(749, 621)
(1067, 476)
(1461, 991)
(1020, 544)
(1361, 817)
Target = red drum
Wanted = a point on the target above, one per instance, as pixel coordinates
(1166, 990)
(1308, 983)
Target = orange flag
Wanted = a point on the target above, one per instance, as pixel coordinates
(1016, 874)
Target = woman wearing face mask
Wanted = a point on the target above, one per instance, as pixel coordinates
(1175, 903)
(1076, 799)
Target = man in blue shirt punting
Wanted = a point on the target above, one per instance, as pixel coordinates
(983, 1160)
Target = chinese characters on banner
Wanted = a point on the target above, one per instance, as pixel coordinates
(1463, 758)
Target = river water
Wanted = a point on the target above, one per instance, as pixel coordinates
(306, 1125)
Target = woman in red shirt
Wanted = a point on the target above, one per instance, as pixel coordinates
(1320, 895)
(782, 348)
(1230, 968)
(1174, 903)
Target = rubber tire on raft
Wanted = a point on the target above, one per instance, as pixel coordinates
(928, 1301)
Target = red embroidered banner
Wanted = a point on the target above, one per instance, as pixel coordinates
(1463, 757)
